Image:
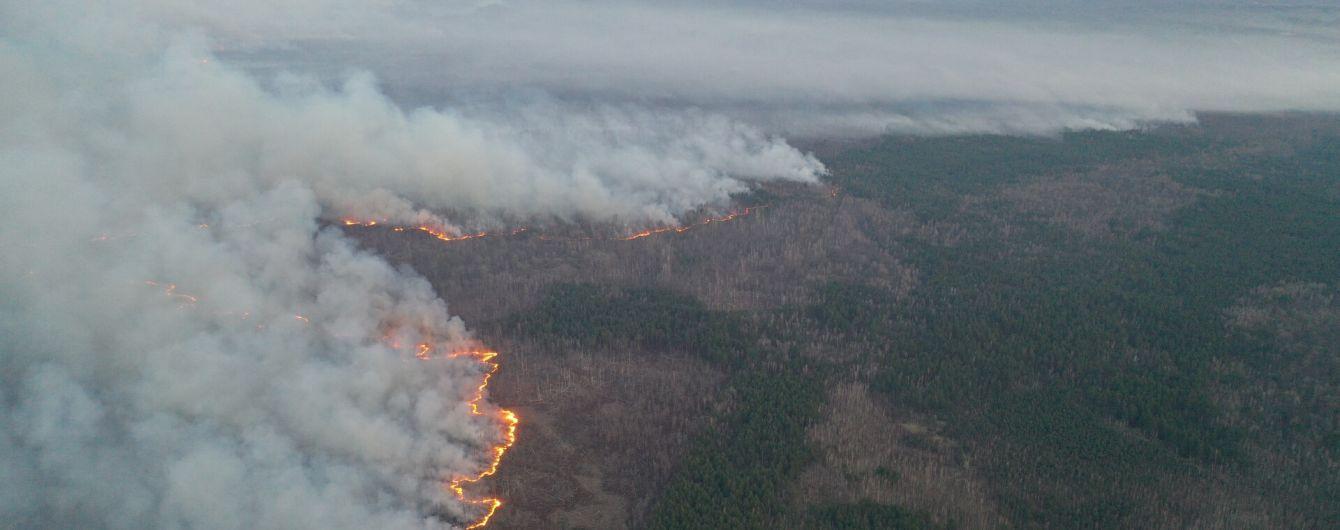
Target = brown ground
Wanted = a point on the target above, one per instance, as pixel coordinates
(867, 454)
(601, 431)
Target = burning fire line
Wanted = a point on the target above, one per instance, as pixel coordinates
(442, 235)
(432, 231)
(685, 228)
(510, 421)
(423, 351)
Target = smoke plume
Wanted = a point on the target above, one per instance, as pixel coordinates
(185, 342)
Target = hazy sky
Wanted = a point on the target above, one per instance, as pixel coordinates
(812, 67)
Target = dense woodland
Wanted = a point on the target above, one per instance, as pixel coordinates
(1103, 329)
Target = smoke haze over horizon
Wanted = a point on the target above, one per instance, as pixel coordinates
(816, 69)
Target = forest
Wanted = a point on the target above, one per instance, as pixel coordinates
(1099, 329)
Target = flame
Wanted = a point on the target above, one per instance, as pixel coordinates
(448, 237)
(509, 420)
(442, 235)
(654, 231)
(422, 351)
(170, 290)
(685, 228)
(435, 231)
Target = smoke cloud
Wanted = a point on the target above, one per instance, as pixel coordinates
(805, 67)
(185, 343)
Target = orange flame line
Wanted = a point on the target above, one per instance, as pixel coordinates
(448, 238)
(436, 232)
(685, 228)
(510, 420)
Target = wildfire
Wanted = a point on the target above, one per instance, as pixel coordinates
(685, 228)
(422, 351)
(434, 231)
(654, 231)
(508, 418)
(510, 421)
(441, 234)
(170, 290)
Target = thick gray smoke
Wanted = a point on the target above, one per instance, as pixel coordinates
(185, 344)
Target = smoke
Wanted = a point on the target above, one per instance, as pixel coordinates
(131, 403)
(185, 343)
(804, 67)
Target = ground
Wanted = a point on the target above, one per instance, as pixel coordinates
(1103, 329)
